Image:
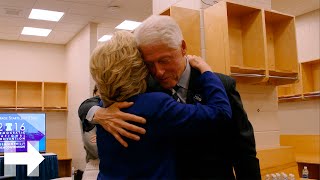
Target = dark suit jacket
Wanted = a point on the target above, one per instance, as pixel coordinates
(227, 146)
(153, 156)
(224, 147)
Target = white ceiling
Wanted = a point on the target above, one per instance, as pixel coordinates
(78, 13)
(295, 7)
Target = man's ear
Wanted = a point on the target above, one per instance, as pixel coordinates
(183, 48)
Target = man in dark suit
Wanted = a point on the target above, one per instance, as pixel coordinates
(210, 156)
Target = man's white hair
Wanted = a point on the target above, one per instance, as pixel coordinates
(158, 29)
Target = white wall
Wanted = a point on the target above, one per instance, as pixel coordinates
(32, 61)
(78, 52)
(26, 61)
(300, 117)
(308, 36)
(303, 117)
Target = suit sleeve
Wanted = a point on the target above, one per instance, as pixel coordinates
(177, 119)
(84, 109)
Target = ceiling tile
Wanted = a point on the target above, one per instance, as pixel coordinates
(7, 11)
(40, 24)
(78, 13)
(11, 29)
(32, 38)
(7, 36)
(295, 7)
(68, 27)
(107, 22)
(91, 2)
(18, 3)
(53, 5)
(76, 19)
(87, 10)
(11, 21)
(59, 37)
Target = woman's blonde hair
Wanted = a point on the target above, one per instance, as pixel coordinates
(118, 69)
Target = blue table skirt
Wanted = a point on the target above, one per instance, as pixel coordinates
(48, 169)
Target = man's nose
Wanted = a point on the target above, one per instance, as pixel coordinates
(159, 71)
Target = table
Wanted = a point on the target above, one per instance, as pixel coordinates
(48, 168)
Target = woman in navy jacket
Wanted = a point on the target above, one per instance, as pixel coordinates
(120, 75)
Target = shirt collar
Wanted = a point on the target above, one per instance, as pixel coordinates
(185, 77)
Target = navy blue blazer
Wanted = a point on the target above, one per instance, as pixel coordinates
(153, 157)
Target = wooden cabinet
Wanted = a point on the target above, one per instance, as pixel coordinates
(234, 41)
(308, 87)
(311, 79)
(189, 22)
(29, 95)
(33, 96)
(8, 94)
(250, 44)
(55, 96)
(281, 48)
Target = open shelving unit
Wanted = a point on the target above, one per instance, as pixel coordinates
(55, 96)
(8, 94)
(33, 96)
(29, 95)
(281, 48)
(189, 22)
(250, 44)
(311, 79)
(308, 87)
(234, 40)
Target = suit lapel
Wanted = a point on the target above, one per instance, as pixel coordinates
(193, 87)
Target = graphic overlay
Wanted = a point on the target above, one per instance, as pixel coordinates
(22, 135)
(32, 158)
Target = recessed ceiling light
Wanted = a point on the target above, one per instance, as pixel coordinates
(35, 31)
(105, 38)
(128, 25)
(45, 15)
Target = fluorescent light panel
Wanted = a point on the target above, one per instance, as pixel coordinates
(35, 31)
(105, 38)
(45, 15)
(128, 25)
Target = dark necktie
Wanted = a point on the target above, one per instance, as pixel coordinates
(175, 93)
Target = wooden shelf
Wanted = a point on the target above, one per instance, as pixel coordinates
(29, 94)
(281, 48)
(55, 96)
(277, 159)
(311, 77)
(8, 96)
(231, 32)
(33, 96)
(305, 89)
(252, 45)
(189, 22)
